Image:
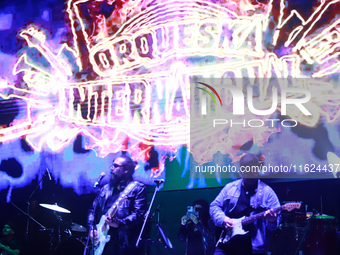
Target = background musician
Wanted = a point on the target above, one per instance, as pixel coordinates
(198, 230)
(240, 198)
(9, 245)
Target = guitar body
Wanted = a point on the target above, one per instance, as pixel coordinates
(103, 237)
(227, 236)
(237, 230)
(103, 227)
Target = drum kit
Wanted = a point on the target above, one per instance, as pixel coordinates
(62, 240)
(308, 233)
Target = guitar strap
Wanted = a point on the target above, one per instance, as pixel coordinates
(259, 195)
(125, 192)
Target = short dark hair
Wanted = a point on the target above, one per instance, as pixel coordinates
(204, 212)
(9, 223)
(249, 160)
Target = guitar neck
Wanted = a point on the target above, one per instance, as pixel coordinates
(114, 208)
(257, 216)
(112, 211)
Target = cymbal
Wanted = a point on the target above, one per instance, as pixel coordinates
(77, 227)
(55, 208)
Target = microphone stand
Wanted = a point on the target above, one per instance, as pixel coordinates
(42, 226)
(150, 241)
(147, 214)
(312, 217)
(92, 224)
(158, 233)
(28, 212)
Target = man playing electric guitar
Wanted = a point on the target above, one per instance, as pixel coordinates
(126, 218)
(236, 200)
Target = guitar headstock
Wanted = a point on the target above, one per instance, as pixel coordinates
(291, 206)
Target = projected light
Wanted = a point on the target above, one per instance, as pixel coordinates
(127, 75)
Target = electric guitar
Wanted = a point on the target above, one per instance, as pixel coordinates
(103, 227)
(228, 235)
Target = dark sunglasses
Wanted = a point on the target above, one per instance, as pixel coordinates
(116, 166)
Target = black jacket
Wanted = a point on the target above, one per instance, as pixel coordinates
(130, 213)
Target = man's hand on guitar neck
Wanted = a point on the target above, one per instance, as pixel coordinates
(228, 223)
(112, 222)
(270, 215)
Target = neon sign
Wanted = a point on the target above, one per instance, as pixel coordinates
(129, 76)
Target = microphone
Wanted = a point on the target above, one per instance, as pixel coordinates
(48, 173)
(159, 181)
(101, 176)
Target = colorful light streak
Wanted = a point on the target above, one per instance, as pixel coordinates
(140, 86)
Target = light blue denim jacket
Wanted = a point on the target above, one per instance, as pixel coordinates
(264, 198)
